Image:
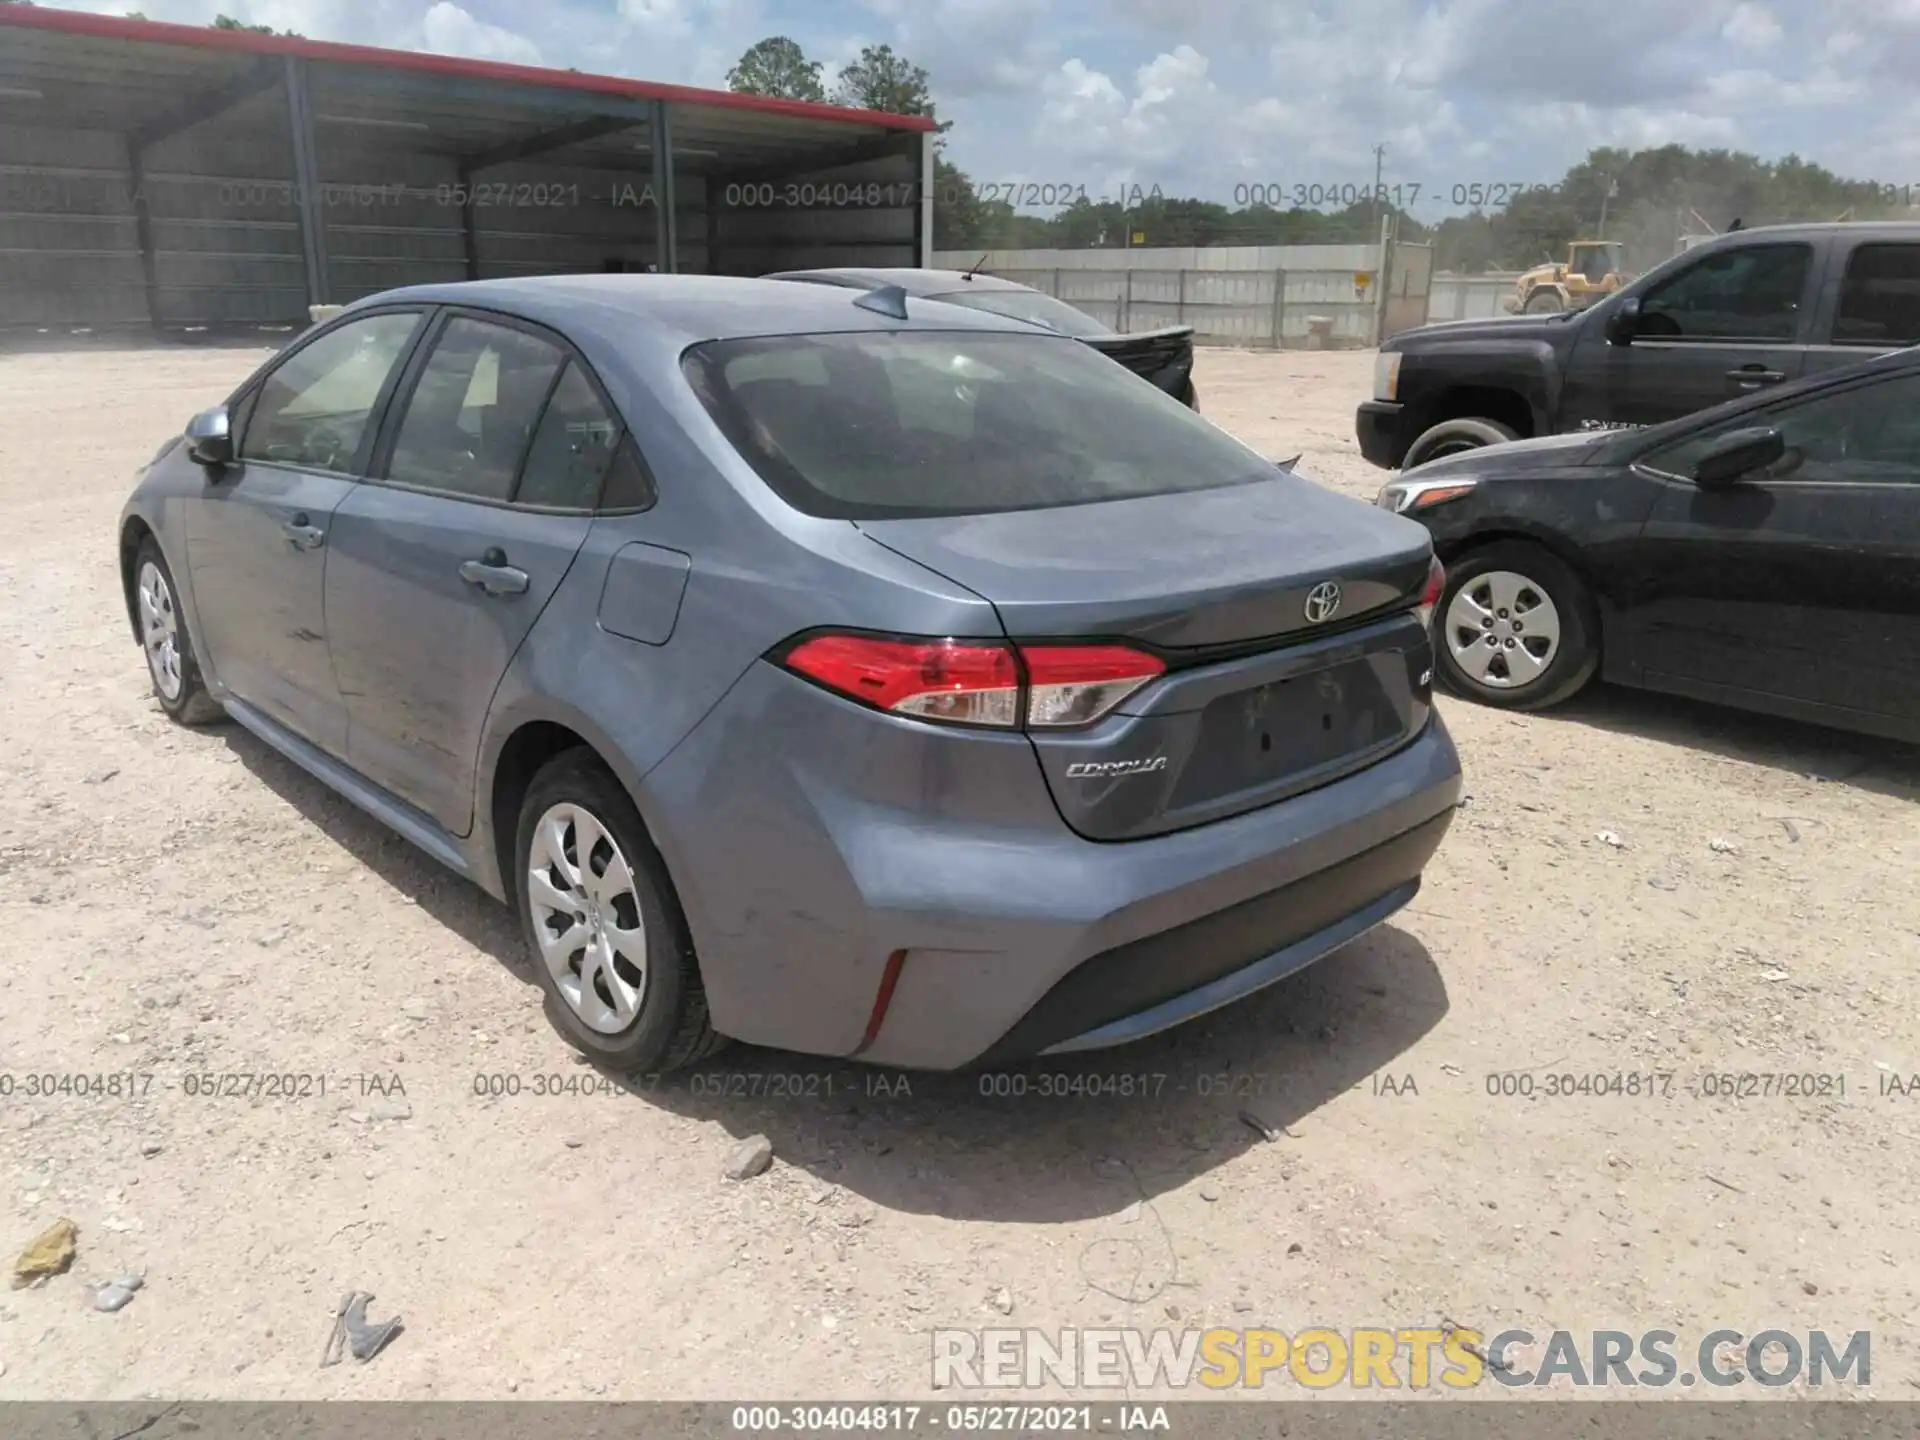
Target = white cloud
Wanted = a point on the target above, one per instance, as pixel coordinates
(1752, 26)
(449, 30)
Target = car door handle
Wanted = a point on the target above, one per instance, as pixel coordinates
(1752, 377)
(493, 575)
(303, 533)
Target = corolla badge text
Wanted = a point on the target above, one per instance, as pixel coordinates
(1093, 769)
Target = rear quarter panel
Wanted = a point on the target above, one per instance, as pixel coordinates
(757, 573)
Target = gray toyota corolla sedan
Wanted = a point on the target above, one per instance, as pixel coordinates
(858, 676)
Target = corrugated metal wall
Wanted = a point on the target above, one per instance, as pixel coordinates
(67, 251)
(226, 225)
(864, 214)
(224, 215)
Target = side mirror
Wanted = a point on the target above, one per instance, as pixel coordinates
(210, 437)
(1623, 321)
(1738, 454)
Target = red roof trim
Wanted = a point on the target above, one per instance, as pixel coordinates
(154, 32)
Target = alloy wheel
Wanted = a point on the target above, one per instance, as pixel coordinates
(1502, 630)
(160, 631)
(587, 919)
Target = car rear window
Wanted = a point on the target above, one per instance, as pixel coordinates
(1029, 305)
(892, 425)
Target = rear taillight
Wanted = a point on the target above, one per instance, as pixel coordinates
(965, 682)
(950, 680)
(1075, 684)
(1430, 594)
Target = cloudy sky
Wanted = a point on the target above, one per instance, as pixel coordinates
(1203, 96)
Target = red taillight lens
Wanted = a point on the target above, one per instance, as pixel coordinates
(962, 682)
(969, 682)
(1430, 595)
(1073, 684)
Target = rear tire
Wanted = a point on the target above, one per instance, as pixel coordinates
(172, 668)
(1516, 628)
(1451, 437)
(604, 929)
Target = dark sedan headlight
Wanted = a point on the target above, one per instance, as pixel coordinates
(1409, 497)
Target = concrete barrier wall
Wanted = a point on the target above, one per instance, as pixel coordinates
(1231, 294)
(1468, 297)
(1241, 295)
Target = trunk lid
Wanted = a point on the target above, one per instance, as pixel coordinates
(1163, 356)
(1259, 702)
(1205, 568)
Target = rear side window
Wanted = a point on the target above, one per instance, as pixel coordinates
(471, 416)
(1880, 297)
(894, 425)
(572, 447)
(1746, 294)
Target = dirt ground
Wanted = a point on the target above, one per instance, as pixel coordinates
(176, 904)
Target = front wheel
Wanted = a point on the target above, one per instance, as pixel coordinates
(1545, 302)
(1516, 628)
(607, 937)
(172, 666)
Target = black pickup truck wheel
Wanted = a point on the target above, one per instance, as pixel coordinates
(1450, 437)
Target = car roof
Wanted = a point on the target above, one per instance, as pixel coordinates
(913, 280)
(1908, 230)
(680, 310)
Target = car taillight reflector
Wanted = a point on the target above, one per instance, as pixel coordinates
(962, 682)
(1073, 684)
(1430, 595)
(970, 682)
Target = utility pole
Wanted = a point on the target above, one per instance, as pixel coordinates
(1379, 163)
(1613, 189)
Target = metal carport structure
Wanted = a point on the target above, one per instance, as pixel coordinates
(175, 176)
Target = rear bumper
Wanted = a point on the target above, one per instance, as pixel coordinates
(1164, 980)
(1376, 424)
(803, 870)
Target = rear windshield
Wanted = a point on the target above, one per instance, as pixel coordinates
(893, 425)
(1028, 305)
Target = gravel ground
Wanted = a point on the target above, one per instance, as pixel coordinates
(176, 904)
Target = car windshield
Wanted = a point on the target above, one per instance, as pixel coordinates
(918, 423)
(1031, 306)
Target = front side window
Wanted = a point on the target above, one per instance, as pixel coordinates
(1750, 294)
(1880, 297)
(313, 410)
(1864, 434)
(876, 425)
(471, 416)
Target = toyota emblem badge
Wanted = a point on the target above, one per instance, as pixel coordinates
(1323, 602)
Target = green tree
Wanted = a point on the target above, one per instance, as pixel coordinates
(227, 22)
(882, 80)
(778, 67)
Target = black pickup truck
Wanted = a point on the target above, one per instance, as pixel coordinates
(1743, 311)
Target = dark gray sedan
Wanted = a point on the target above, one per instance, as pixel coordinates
(1163, 356)
(917, 689)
